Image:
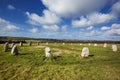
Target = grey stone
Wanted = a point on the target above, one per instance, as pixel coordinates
(80, 43)
(89, 44)
(95, 44)
(14, 50)
(21, 44)
(6, 47)
(38, 43)
(105, 45)
(85, 52)
(30, 43)
(46, 43)
(47, 52)
(12, 45)
(114, 47)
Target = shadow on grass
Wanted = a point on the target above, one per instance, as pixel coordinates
(91, 55)
(55, 57)
(24, 53)
(62, 60)
(70, 60)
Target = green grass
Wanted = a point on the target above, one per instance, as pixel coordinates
(31, 63)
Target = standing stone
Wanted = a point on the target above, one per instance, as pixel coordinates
(89, 44)
(95, 44)
(46, 43)
(38, 43)
(85, 52)
(14, 50)
(30, 43)
(12, 45)
(21, 44)
(80, 43)
(47, 52)
(105, 45)
(114, 47)
(6, 47)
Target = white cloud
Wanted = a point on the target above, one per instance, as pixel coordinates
(90, 28)
(51, 28)
(55, 28)
(104, 28)
(114, 31)
(93, 33)
(34, 30)
(92, 19)
(10, 7)
(64, 28)
(74, 7)
(83, 22)
(116, 9)
(115, 26)
(99, 18)
(48, 18)
(7, 26)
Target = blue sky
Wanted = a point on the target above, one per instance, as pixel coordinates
(61, 19)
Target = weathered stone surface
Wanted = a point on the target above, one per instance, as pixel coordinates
(105, 45)
(89, 44)
(46, 43)
(6, 46)
(30, 43)
(80, 43)
(85, 52)
(21, 44)
(14, 50)
(95, 44)
(63, 43)
(38, 43)
(114, 47)
(12, 45)
(47, 52)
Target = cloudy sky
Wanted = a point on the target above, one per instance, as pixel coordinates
(61, 19)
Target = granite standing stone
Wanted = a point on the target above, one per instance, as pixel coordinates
(114, 47)
(47, 52)
(105, 45)
(21, 44)
(85, 52)
(38, 43)
(12, 45)
(14, 50)
(6, 47)
(46, 43)
(95, 44)
(30, 43)
(89, 44)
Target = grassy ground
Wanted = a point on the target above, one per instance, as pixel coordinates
(66, 64)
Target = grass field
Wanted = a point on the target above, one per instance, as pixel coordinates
(66, 63)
